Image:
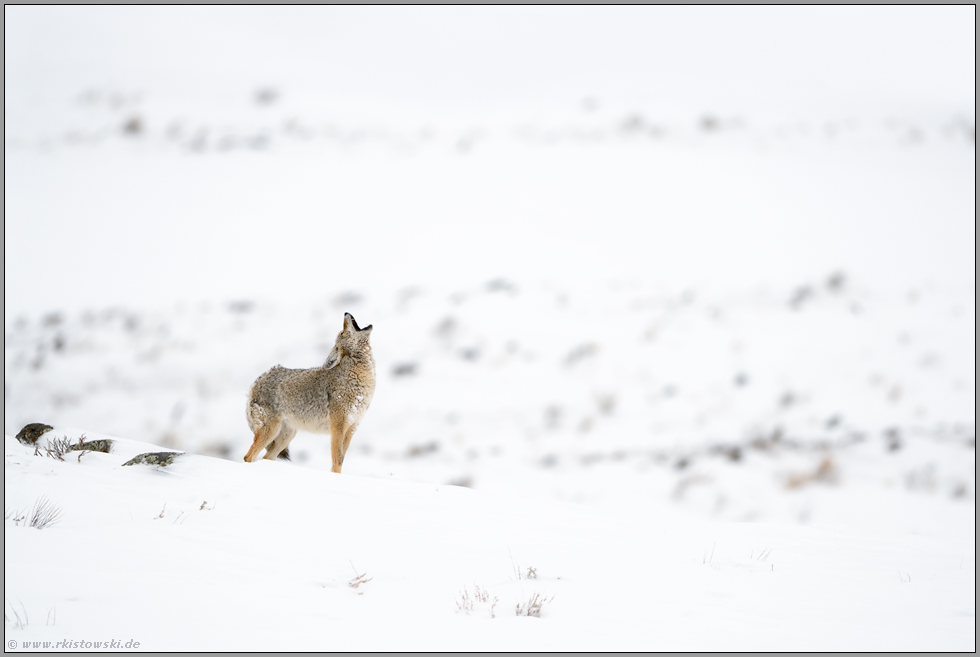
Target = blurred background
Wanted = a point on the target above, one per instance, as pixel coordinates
(720, 258)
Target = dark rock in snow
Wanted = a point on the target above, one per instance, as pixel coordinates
(104, 446)
(162, 459)
(31, 432)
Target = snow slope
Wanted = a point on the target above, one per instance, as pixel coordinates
(210, 555)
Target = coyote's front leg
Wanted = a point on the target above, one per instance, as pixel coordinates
(338, 431)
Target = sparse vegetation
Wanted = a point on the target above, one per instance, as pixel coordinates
(43, 514)
(358, 579)
(56, 448)
(533, 605)
(467, 603)
(16, 516)
(525, 572)
(522, 572)
(14, 618)
(825, 472)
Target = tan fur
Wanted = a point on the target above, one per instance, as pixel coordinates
(330, 399)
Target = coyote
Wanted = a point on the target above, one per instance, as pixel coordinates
(330, 399)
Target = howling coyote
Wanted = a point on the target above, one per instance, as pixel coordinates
(330, 399)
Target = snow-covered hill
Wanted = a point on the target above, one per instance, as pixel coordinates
(204, 554)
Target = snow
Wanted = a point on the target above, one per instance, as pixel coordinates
(221, 556)
(699, 357)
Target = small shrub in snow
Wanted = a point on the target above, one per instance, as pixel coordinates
(42, 514)
(530, 572)
(826, 473)
(14, 618)
(533, 605)
(56, 448)
(523, 572)
(359, 578)
(467, 603)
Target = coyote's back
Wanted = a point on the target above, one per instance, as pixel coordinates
(330, 399)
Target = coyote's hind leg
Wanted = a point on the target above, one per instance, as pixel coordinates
(280, 442)
(264, 436)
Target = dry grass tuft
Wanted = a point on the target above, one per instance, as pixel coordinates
(359, 578)
(533, 605)
(56, 448)
(467, 603)
(826, 472)
(43, 514)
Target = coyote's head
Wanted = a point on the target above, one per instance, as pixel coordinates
(352, 341)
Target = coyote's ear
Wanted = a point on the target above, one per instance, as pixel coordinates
(332, 358)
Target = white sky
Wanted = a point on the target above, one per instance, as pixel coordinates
(463, 58)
